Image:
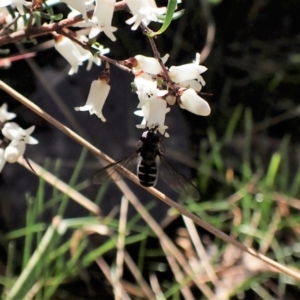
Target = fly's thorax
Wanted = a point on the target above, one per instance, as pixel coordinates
(149, 151)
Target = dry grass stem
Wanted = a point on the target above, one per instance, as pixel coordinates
(211, 30)
(202, 256)
(138, 276)
(153, 191)
(106, 271)
(253, 224)
(269, 235)
(120, 246)
(164, 239)
(62, 186)
(156, 288)
(293, 202)
(179, 276)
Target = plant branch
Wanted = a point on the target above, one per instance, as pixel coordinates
(49, 28)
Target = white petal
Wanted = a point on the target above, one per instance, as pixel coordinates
(97, 96)
(148, 64)
(11, 130)
(4, 3)
(2, 159)
(144, 112)
(143, 10)
(17, 134)
(4, 114)
(67, 49)
(194, 103)
(147, 91)
(157, 115)
(193, 84)
(186, 72)
(78, 5)
(102, 18)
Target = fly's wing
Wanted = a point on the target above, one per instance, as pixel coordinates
(177, 181)
(113, 171)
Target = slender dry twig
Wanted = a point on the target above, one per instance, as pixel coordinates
(156, 288)
(269, 236)
(182, 210)
(6, 26)
(106, 271)
(211, 30)
(256, 217)
(202, 256)
(164, 239)
(120, 246)
(138, 276)
(179, 276)
(62, 186)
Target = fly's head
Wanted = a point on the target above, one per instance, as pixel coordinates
(151, 136)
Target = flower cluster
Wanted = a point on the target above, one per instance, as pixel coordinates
(15, 138)
(143, 11)
(157, 86)
(154, 91)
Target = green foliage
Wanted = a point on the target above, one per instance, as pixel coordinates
(48, 257)
(244, 196)
(257, 190)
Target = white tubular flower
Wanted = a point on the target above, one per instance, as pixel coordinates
(4, 114)
(19, 138)
(143, 10)
(188, 71)
(155, 113)
(2, 159)
(78, 5)
(19, 4)
(149, 64)
(71, 54)
(98, 93)
(194, 103)
(144, 112)
(102, 19)
(147, 90)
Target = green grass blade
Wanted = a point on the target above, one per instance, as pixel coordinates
(28, 276)
(172, 4)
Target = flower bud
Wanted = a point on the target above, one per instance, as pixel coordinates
(194, 103)
(12, 153)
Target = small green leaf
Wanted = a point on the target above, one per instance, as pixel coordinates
(172, 4)
(57, 17)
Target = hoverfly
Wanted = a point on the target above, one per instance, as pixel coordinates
(147, 155)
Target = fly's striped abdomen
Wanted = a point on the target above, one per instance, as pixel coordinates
(147, 173)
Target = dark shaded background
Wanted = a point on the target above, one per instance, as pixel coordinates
(254, 61)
